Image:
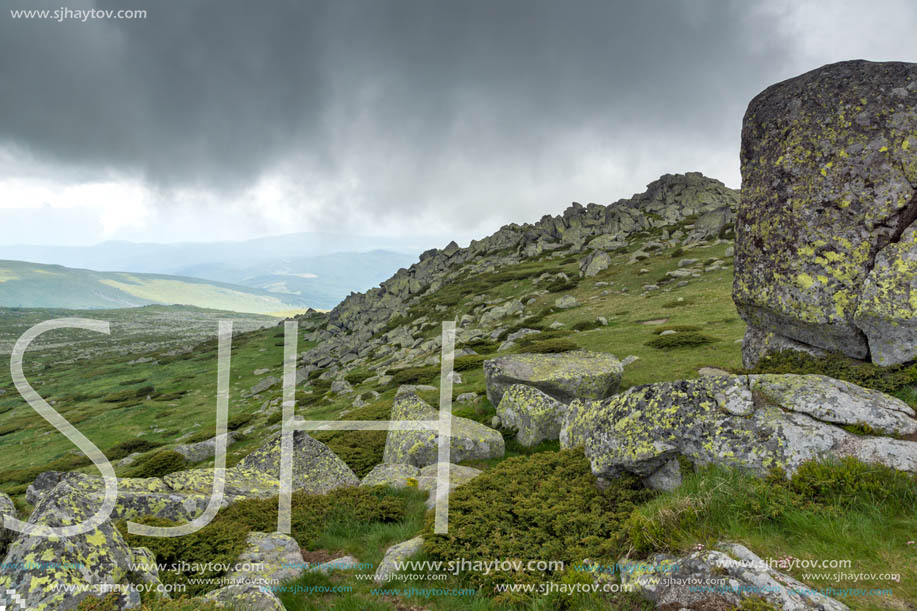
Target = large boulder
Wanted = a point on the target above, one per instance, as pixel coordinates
(41, 569)
(470, 440)
(7, 508)
(753, 422)
(458, 476)
(825, 243)
(250, 597)
(397, 553)
(535, 416)
(268, 558)
(736, 577)
(565, 376)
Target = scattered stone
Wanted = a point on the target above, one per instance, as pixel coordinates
(759, 343)
(468, 397)
(556, 325)
(262, 371)
(458, 476)
(263, 385)
(268, 557)
(566, 302)
(246, 596)
(397, 553)
(595, 262)
(628, 360)
(743, 575)
(344, 563)
(341, 387)
(203, 450)
(666, 478)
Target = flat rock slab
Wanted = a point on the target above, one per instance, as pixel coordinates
(579, 374)
(276, 556)
(248, 597)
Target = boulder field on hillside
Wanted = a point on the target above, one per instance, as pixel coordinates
(826, 242)
(102, 556)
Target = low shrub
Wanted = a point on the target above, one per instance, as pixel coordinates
(471, 361)
(120, 450)
(680, 340)
(678, 303)
(361, 450)
(161, 463)
(841, 367)
(357, 377)
(560, 285)
(238, 421)
(676, 328)
(549, 346)
(587, 325)
(541, 506)
(414, 375)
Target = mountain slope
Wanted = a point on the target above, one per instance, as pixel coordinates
(32, 285)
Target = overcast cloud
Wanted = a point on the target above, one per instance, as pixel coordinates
(230, 119)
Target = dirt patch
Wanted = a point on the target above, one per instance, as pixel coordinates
(319, 556)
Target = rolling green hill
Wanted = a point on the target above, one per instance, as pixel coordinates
(32, 285)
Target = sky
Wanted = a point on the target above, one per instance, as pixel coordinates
(228, 119)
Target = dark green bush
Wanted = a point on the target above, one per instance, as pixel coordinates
(676, 328)
(540, 506)
(678, 304)
(238, 421)
(560, 285)
(320, 386)
(120, 450)
(677, 252)
(161, 463)
(551, 346)
(357, 377)
(414, 375)
(219, 542)
(841, 367)
(471, 361)
(850, 482)
(680, 340)
(587, 325)
(361, 450)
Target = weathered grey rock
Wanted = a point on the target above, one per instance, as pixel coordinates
(249, 597)
(344, 563)
(316, 468)
(203, 450)
(397, 553)
(470, 440)
(263, 385)
(823, 252)
(564, 376)
(566, 302)
(594, 263)
(396, 475)
(458, 476)
(887, 310)
(753, 422)
(468, 397)
(7, 508)
(270, 557)
(521, 333)
(535, 416)
(341, 387)
(837, 402)
(667, 477)
(743, 575)
(98, 557)
(759, 343)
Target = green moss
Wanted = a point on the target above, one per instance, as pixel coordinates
(159, 464)
(550, 346)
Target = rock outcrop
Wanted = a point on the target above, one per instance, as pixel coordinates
(565, 376)
(753, 422)
(826, 253)
(397, 553)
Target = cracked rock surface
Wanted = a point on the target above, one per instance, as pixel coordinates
(825, 251)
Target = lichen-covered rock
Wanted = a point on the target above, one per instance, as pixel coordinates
(271, 558)
(39, 569)
(397, 553)
(735, 575)
(316, 469)
(887, 311)
(535, 416)
(753, 422)
(828, 174)
(470, 440)
(248, 596)
(837, 402)
(7, 508)
(595, 262)
(458, 476)
(396, 475)
(565, 376)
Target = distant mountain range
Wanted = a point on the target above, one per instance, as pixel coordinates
(262, 275)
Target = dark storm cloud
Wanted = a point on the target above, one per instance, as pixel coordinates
(408, 101)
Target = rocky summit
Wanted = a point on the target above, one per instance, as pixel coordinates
(826, 250)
